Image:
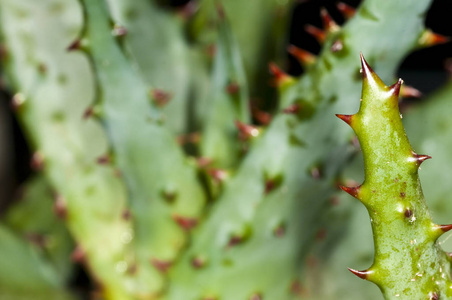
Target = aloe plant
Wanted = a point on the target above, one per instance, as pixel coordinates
(168, 187)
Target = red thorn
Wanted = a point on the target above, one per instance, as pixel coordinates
(395, 88)
(232, 88)
(264, 118)
(188, 10)
(235, 240)
(296, 288)
(126, 214)
(246, 131)
(346, 118)
(353, 191)
(160, 97)
(39, 240)
(203, 162)
(420, 158)
(198, 262)
(37, 161)
(292, 109)
(304, 57)
(218, 175)
(88, 113)
(429, 38)
(445, 228)
(328, 22)
(256, 296)
(75, 45)
(360, 274)
(161, 265)
(410, 92)
(366, 69)
(347, 11)
(280, 231)
(185, 223)
(78, 255)
(220, 10)
(59, 207)
(317, 33)
(104, 160)
(279, 76)
(119, 30)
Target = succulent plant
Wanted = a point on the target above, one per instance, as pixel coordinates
(159, 168)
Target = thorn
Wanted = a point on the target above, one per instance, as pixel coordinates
(292, 109)
(346, 10)
(37, 161)
(160, 97)
(445, 228)
(75, 45)
(185, 223)
(327, 20)
(296, 288)
(92, 111)
(395, 88)
(353, 191)
(104, 159)
(304, 57)
(280, 230)
(119, 30)
(280, 78)
(198, 262)
(246, 131)
(367, 70)
(220, 10)
(78, 255)
(264, 118)
(191, 138)
(235, 240)
(429, 38)
(420, 158)
(410, 92)
(188, 10)
(203, 162)
(37, 239)
(346, 118)
(59, 207)
(360, 274)
(161, 265)
(126, 215)
(218, 175)
(256, 296)
(232, 88)
(317, 33)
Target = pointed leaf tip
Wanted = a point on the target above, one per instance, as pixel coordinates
(360, 274)
(317, 33)
(304, 57)
(430, 38)
(353, 191)
(395, 88)
(327, 20)
(280, 77)
(445, 228)
(347, 11)
(366, 69)
(420, 158)
(410, 92)
(346, 118)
